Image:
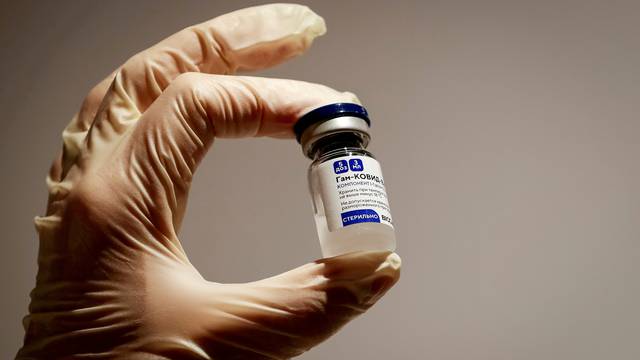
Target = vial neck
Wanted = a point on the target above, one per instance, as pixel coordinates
(333, 142)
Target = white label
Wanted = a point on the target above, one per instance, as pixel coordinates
(352, 190)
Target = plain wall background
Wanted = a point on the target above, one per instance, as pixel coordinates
(509, 133)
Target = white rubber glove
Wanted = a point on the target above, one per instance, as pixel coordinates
(113, 279)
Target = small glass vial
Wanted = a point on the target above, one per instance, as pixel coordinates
(349, 199)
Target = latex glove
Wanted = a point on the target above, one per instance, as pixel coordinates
(113, 279)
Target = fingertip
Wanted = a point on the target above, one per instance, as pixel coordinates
(316, 24)
(394, 261)
(351, 97)
(360, 278)
(390, 273)
(389, 270)
(263, 36)
(360, 264)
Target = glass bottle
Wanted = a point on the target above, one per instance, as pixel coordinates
(349, 198)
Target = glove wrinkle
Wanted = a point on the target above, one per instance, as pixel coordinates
(215, 47)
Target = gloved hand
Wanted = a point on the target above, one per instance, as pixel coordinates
(113, 279)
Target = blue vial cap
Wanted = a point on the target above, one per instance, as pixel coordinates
(328, 112)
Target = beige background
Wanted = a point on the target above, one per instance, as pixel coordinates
(509, 135)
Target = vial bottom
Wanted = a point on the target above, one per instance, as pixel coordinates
(356, 237)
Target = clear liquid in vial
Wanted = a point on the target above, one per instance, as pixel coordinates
(366, 236)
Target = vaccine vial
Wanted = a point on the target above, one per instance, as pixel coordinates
(347, 188)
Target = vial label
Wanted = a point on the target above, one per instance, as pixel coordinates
(352, 191)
